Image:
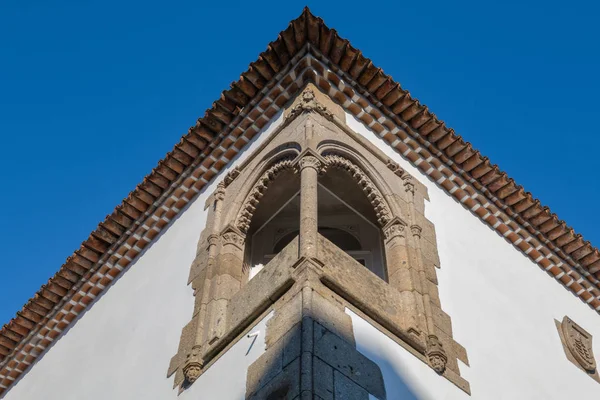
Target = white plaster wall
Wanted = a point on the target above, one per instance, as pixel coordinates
(121, 347)
(502, 306)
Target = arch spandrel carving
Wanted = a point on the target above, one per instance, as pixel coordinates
(309, 144)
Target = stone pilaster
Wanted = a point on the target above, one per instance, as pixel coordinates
(193, 364)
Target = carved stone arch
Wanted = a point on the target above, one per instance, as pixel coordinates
(282, 162)
(337, 159)
(346, 151)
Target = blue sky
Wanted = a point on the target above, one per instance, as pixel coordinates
(94, 93)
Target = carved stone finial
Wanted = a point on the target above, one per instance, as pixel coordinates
(436, 355)
(309, 103)
(193, 365)
(231, 175)
(395, 168)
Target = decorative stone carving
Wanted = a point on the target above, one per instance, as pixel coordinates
(213, 240)
(436, 355)
(373, 194)
(395, 168)
(404, 303)
(309, 103)
(220, 192)
(579, 343)
(409, 185)
(309, 161)
(231, 175)
(193, 365)
(249, 207)
(231, 236)
(416, 231)
(394, 229)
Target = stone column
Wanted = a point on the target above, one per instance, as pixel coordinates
(309, 166)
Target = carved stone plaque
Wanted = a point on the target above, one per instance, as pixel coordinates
(577, 343)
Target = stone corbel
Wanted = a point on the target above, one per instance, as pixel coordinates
(436, 355)
(193, 365)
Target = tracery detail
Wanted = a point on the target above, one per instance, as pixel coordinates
(258, 191)
(373, 194)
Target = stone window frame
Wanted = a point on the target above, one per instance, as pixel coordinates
(309, 141)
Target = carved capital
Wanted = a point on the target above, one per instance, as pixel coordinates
(309, 161)
(436, 355)
(308, 103)
(395, 168)
(416, 231)
(394, 228)
(232, 236)
(193, 365)
(213, 240)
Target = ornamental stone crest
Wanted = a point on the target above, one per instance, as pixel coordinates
(577, 343)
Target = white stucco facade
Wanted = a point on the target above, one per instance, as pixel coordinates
(502, 307)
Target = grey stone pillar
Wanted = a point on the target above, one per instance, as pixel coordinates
(309, 166)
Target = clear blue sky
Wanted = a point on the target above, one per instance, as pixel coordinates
(94, 93)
